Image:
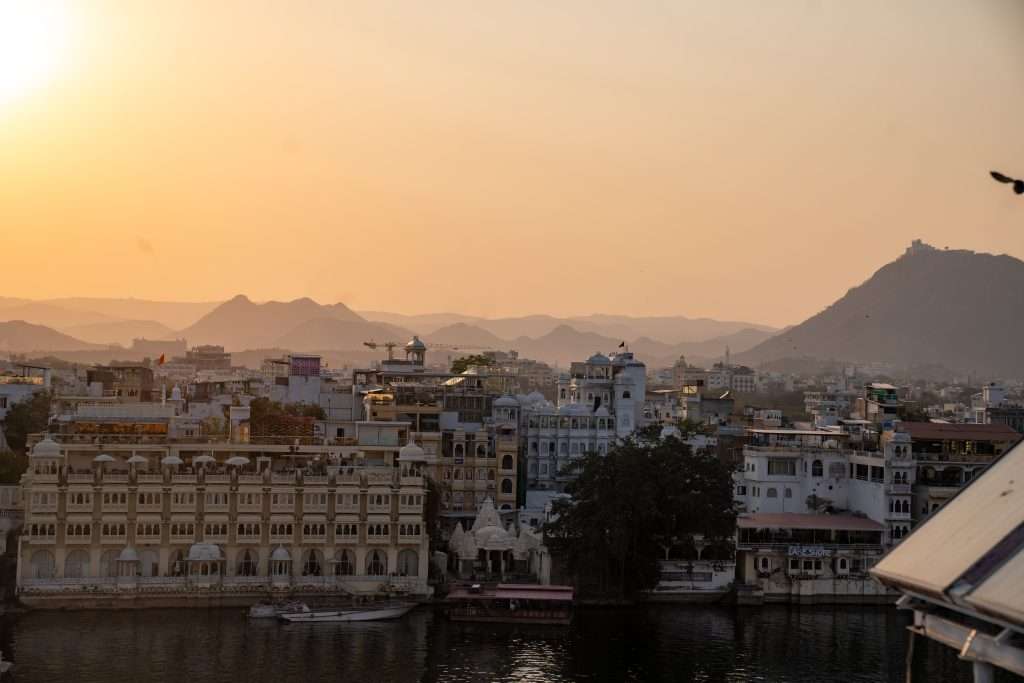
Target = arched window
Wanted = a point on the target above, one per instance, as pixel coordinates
(312, 563)
(506, 462)
(344, 563)
(772, 493)
(248, 564)
(817, 469)
(108, 563)
(76, 565)
(376, 564)
(43, 565)
(626, 394)
(506, 486)
(176, 564)
(408, 563)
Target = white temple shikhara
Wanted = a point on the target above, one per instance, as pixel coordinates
(492, 549)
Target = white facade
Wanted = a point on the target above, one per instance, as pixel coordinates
(599, 401)
(802, 471)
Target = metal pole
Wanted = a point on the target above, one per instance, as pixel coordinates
(983, 672)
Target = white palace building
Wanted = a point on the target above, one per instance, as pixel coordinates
(142, 518)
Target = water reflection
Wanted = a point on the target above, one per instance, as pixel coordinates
(663, 644)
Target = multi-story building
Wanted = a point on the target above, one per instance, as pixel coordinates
(826, 407)
(880, 404)
(806, 471)
(948, 456)
(146, 516)
(599, 400)
(468, 433)
(817, 514)
(206, 357)
(20, 383)
(121, 382)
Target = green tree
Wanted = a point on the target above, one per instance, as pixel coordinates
(23, 418)
(460, 365)
(26, 417)
(627, 507)
(262, 410)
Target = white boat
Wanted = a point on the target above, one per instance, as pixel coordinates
(370, 613)
(269, 610)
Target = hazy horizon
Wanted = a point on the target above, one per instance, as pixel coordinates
(733, 161)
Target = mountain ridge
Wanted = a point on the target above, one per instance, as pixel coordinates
(955, 308)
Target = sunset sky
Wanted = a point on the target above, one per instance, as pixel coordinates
(738, 160)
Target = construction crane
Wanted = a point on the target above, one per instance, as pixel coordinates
(389, 345)
(460, 347)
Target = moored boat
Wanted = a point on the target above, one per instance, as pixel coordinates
(511, 604)
(271, 610)
(369, 613)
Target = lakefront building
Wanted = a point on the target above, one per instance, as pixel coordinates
(175, 521)
(817, 513)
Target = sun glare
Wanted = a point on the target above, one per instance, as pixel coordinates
(33, 42)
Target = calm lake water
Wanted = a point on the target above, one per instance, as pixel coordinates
(684, 643)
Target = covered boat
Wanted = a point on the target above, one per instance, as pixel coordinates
(511, 603)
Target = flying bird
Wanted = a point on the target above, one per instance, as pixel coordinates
(1018, 185)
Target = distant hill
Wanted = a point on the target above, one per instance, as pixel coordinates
(665, 329)
(957, 309)
(563, 345)
(241, 324)
(668, 329)
(50, 315)
(470, 336)
(339, 335)
(121, 332)
(424, 324)
(21, 337)
(174, 314)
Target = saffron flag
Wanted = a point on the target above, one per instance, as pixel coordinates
(162, 359)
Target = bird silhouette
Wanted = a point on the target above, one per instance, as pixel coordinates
(1018, 185)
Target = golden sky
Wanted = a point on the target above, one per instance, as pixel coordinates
(738, 160)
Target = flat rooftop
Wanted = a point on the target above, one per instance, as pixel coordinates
(943, 431)
(798, 520)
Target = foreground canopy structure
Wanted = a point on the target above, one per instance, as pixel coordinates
(962, 570)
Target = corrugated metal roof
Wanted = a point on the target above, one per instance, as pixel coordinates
(959, 432)
(526, 592)
(800, 520)
(961, 533)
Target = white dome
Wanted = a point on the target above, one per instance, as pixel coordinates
(410, 451)
(204, 552)
(598, 359)
(128, 555)
(47, 448)
(415, 344)
(171, 460)
(670, 430)
(493, 538)
(506, 402)
(280, 554)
